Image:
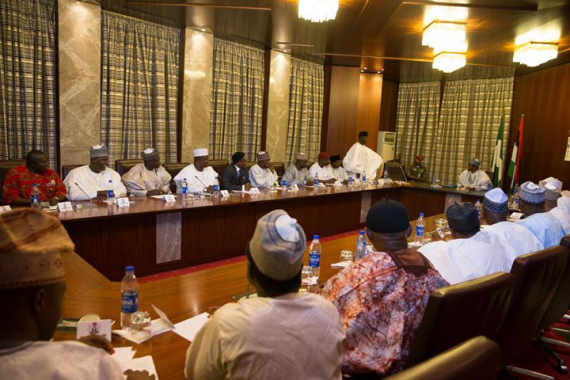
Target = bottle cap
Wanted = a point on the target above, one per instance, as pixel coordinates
(130, 269)
(316, 237)
(421, 214)
(361, 232)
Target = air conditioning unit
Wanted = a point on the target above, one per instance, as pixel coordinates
(386, 145)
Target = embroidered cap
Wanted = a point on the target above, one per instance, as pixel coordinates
(496, 201)
(150, 154)
(98, 151)
(261, 156)
(532, 193)
(551, 192)
(200, 152)
(278, 246)
(475, 162)
(301, 157)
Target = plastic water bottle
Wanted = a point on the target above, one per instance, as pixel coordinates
(283, 186)
(35, 196)
(420, 228)
(110, 194)
(386, 174)
(516, 204)
(363, 180)
(350, 181)
(216, 189)
(478, 207)
(316, 182)
(129, 297)
(315, 257)
(184, 188)
(360, 247)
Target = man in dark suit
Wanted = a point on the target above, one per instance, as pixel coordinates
(235, 175)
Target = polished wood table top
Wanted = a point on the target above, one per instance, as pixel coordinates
(180, 297)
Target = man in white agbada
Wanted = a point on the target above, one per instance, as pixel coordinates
(473, 178)
(338, 171)
(201, 177)
(281, 334)
(553, 201)
(562, 213)
(149, 178)
(33, 248)
(92, 181)
(361, 160)
(472, 253)
(322, 169)
(263, 174)
(297, 173)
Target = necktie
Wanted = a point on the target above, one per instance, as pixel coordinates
(238, 177)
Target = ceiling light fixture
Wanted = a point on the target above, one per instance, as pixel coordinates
(440, 33)
(449, 61)
(318, 10)
(535, 53)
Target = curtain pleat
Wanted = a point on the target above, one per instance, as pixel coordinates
(28, 78)
(139, 87)
(306, 93)
(237, 100)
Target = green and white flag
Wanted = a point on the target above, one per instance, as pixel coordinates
(498, 156)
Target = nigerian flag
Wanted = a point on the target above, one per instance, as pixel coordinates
(498, 156)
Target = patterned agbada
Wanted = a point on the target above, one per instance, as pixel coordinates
(19, 182)
(381, 305)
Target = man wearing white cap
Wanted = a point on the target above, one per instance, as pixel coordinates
(263, 174)
(200, 176)
(148, 178)
(473, 178)
(92, 181)
(495, 206)
(33, 247)
(297, 173)
(281, 334)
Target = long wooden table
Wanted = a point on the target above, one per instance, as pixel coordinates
(181, 297)
(155, 236)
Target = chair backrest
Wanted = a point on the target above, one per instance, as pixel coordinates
(219, 166)
(65, 169)
(279, 168)
(123, 166)
(396, 171)
(5, 167)
(460, 312)
(561, 298)
(536, 279)
(174, 168)
(475, 359)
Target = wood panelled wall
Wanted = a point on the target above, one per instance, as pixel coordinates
(544, 98)
(388, 106)
(354, 106)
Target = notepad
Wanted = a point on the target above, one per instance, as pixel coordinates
(189, 328)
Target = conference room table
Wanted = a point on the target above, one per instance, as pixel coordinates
(180, 297)
(156, 236)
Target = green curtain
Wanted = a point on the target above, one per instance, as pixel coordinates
(237, 100)
(28, 82)
(306, 93)
(139, 87)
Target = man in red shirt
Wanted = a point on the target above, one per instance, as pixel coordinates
(19, 181)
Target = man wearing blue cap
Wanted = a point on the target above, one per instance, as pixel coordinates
(473, 178)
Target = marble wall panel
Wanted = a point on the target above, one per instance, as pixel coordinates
(79, 79)
(198, 69)
(168, 237)
(278, 105)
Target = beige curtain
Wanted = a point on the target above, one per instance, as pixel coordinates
(416, 122)
(305, 109)
(468, 124)
(237, 100)
(139, 87)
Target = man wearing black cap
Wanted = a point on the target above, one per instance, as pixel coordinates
(382, 298)
(361, 160)
(338, 171)
(235, 175)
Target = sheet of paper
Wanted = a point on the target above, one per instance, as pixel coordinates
(159, 196)
(162, 315)
(139, 364)
(123, 353)
(189, 328)
(342, 264)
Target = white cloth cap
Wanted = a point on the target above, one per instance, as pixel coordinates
(497, 195)
(200, 152)
(553, 181)
(287, 228)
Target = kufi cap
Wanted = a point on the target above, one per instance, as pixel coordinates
(553, 181)
(323, 156)
(98, 151)
(335, 158)
(496, 201)
(532, 193)
(301, 156)
(387, 216)
(278, 246)
(419, 158)
(32, 244)
(475, 162)
(200, 152)
(551, 192)
(150, 154)
(363, 134)
(262, 156)
(463, 217)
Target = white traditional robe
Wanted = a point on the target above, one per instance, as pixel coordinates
(207, 177)
(563, 217)
(462, 260)
(546, 227)
(360, 159)
(520, 239)
(91, 183)
(294, 176)
(262, 177)
(323, 174)
(293, 336)
(57, 360)
(478, 180)
(340, 174)
(139, 180)
(564, 203)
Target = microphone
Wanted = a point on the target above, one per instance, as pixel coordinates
(200, 181)
(83, 191)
